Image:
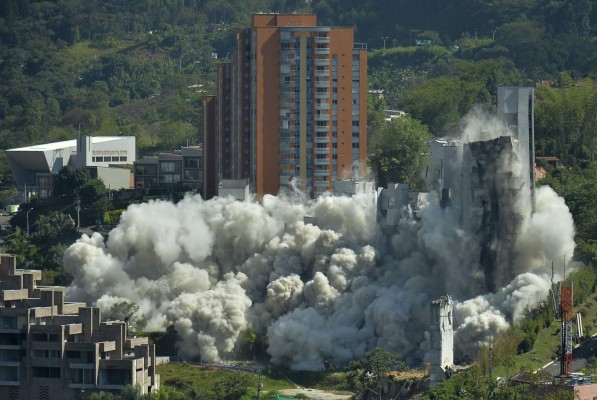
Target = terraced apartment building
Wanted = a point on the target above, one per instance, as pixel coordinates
(51, 349)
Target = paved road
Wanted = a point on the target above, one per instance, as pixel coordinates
(579, 357)
(315, 394)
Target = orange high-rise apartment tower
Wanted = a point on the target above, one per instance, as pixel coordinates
(291, 108)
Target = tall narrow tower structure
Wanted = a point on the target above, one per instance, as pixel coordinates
(566, 312)
(515, 105)
(441, 342)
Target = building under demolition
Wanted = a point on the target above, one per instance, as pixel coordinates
(52, 349)
(483, 179)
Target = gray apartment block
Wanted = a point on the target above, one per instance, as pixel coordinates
(53, 349)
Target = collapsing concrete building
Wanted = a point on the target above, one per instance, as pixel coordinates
(491, 194)
(486, 179)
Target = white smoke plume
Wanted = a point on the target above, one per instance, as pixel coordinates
(325, 291)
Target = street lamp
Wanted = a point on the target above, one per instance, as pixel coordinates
(493, 31)
(384, 38)
(28, 211)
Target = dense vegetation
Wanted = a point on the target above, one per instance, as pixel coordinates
(141, 67)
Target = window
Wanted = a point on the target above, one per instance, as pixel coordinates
(45, 353)
(46, 372)
(44, 180)
(72, 354)
(8, 322)
(168, 166)
(191, 163)
(84, 376)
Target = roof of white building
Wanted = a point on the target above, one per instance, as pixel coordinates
(65, 144)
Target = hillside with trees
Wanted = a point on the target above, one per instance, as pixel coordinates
(141, 67)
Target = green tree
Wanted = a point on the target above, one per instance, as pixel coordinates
(567, 120)
(125, 311)
(166, 393)
(69, 181)
(592, 364)
(19, 245)
(131, 392)
(474, 385)
(233, 386)
(376, 106)
(197, 392)
(365, 376)
(102, 396)
(399, 150)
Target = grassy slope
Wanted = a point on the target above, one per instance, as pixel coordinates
(548, 339)
(274, 379)
(182, 375)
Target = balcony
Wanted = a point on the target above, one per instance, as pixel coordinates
(322, 129)
(10, 363)
(322, 74)
(12, 346)
(322, 83)
(322, 161)
(18, 294)
(322, 106)
(322, 62)
(322, 151)
(321, 39)
(81, 365)
(321, 183)
(322, 51)
(320, 95)
(321, 173)
(288, 95)
(322, 117)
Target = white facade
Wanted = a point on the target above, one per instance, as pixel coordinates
(441, 340)
(33, 166)
(237, 188)
(350, 187)
(104, 150)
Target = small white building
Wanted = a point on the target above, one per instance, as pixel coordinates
(33, 166)
(237, 188)
(350, 187)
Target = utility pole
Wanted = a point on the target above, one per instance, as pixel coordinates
(78, 212)
(491, 358)
(259, 386)
(28, 211)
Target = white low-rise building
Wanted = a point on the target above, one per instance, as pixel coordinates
(33, 166)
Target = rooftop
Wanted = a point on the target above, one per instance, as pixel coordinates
(64, 144)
